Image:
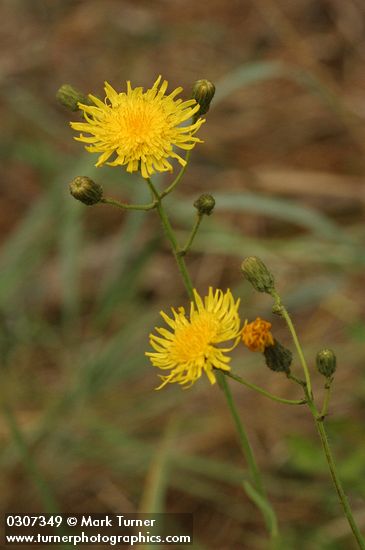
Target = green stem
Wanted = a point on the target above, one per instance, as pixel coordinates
(264, 392)
(335, 477)
(270, 518)
(285, 314)
(296, 379)
(126, 206)
(183, 251)
(318, 418)
(337, 482)
(327, 395)
(169, 232)
(172, 186)
(245, 446)
(244, 442)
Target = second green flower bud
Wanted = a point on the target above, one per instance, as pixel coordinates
(326, 362)
(203, 93)
(256, 272)
(205, 204)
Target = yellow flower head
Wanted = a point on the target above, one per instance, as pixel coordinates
(141, 129)
(191, 347)
(256, 335)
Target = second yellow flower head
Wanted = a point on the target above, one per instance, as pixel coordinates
(192, 346)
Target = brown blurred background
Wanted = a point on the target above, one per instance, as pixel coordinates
(82, 428)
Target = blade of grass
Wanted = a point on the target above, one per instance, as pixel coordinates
(124, 287)
(282, 209)
(158, 476)
(245, 75)
(70, 249)
(263, 505)
(29, 243)
(35, 111)
(34, 473)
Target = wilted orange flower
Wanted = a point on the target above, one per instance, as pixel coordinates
(256, 335)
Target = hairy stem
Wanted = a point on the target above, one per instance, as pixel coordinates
(183, 251)
(285, 314)
(248, 454)
(318, 418)
(264, 392)
(327, 396)
(127, 206)
(169, 232)
(269, 515)
(178, 178)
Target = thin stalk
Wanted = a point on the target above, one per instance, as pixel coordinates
(327, 396)
(126, 206)
(299, 350)
(245, 446)
(183, 251)
(285, 314)
(318, 418)
(337, 482)
(172, 186)
(244, 442)
(264, 392)
(269, 515)
(296, 379)
(169, 232)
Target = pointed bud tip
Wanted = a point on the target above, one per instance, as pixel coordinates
(256, 272)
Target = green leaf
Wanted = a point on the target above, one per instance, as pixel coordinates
(264, 506)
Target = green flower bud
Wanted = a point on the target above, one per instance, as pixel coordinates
(86, 190)
(326, 362)
(205, 204)
(256, 272)
(70, 97)
(278, 358)
(203, 93)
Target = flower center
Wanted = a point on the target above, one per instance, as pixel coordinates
(139, 127)
(193, 342)
(141, 124)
